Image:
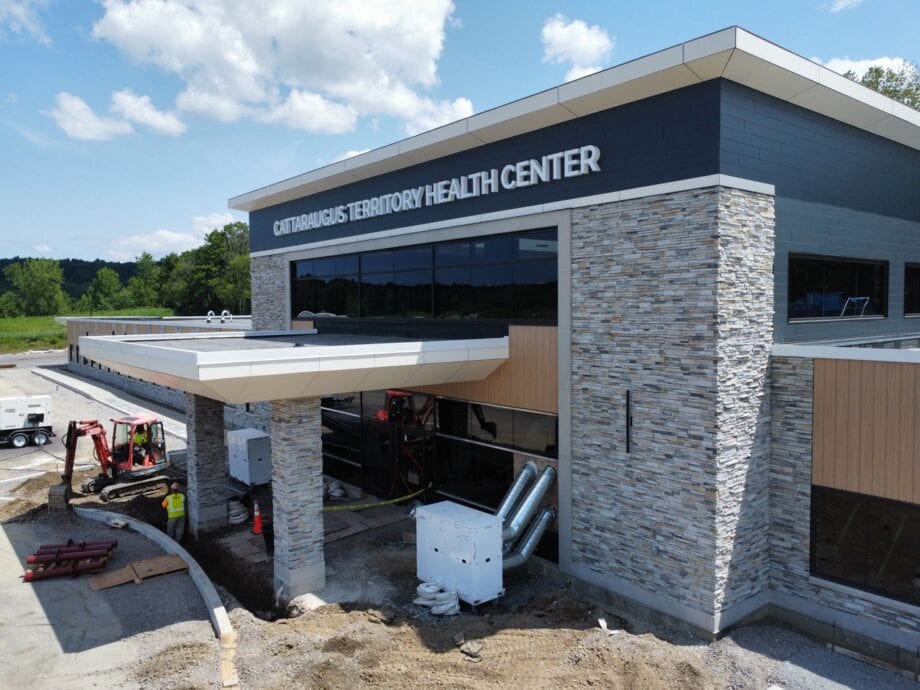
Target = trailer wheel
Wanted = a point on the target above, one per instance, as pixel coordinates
(40, 438)
(19, 440)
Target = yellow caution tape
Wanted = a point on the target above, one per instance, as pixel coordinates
(362, 506)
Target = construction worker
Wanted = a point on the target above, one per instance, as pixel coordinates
(175, 512)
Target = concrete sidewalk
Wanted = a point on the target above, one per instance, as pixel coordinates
(58, 633)
(173, 422)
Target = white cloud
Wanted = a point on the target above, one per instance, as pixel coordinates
(78, 120)
(313, 66)
(841, 65)
(585, 47)
(140, 110)
(159, 243)
(212, 221)
(42, 248)
(838, 5)
(312, 113)
(21, 16)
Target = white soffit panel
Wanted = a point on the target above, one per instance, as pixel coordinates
(273, 373)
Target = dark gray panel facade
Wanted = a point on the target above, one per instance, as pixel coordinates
(840, 192)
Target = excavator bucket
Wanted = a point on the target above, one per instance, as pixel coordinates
(59, 497)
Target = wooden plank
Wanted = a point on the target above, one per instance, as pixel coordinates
(137, 571)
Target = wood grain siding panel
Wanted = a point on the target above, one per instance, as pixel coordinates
(866, 428)
(527, 380)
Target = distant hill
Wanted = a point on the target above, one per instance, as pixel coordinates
(78, 273)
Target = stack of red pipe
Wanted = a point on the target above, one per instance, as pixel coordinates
(71, 558)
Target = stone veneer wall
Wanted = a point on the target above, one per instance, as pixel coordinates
(297, 491)
(206, 464)
(269, 278)
(672, 300)
(790, 523)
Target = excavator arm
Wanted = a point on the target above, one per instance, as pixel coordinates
(59, 496)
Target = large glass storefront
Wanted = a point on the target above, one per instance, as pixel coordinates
(392, 443)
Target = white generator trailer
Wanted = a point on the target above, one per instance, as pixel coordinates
(25, 420)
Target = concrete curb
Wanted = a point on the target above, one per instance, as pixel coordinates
(219, 618)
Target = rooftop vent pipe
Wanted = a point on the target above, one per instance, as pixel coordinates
(525, 512)
(530, 540)
(225, 315)
(210, 315)
(516, 490)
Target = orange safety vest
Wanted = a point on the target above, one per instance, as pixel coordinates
(175, 505)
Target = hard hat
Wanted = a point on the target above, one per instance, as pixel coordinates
(175, 486)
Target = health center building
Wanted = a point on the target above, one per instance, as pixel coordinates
(696, 281)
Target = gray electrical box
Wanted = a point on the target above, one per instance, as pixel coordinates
(250, 456)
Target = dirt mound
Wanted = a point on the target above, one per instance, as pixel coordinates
(552, 641)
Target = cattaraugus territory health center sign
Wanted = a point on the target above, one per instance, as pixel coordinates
(549, 168)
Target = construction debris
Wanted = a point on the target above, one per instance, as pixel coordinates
(137, 571)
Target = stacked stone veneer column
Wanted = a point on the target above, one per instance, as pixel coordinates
(270, 277)
(794, 591)
(672, 300)
(207, 464)
(297, 488)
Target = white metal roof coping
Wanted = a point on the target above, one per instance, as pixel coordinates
(733, 53)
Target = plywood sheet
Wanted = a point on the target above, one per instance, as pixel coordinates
(138, 571)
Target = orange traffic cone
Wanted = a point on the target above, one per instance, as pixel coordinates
(256, 518)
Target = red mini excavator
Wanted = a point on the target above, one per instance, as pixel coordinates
(129, 466)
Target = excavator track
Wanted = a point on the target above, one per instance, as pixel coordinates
(134, 488)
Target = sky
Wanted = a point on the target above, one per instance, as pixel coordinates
(126, 125)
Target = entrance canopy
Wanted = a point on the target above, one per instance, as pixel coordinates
(240, 367)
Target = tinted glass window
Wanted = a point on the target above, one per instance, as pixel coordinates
(341, 436)
(499, 277)
(491, 292)
(453, 417)
(324, 268)
(489, 250)
(538, 244)
(452, 253)
(867, 542)
(376, 261)
(912, 289)
(536, 433)
(452, 293)
(492, 424)
(837, 288)
(412, 258)
(413, 293)
(473, 473)
(535, 288)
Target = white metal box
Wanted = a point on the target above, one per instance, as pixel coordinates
(460, 549)
(250, 453)
(25, 412)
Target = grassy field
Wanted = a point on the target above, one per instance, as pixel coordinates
(21, 333)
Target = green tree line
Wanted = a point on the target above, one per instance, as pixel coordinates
(212, 276)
